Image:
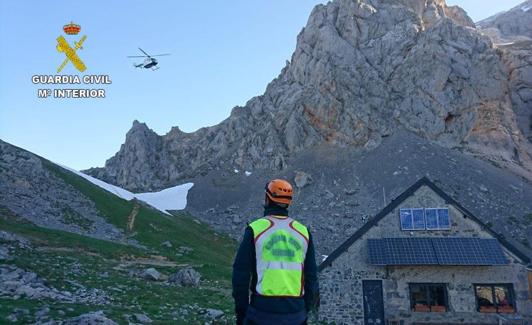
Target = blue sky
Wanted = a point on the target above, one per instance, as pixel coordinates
(223, 53)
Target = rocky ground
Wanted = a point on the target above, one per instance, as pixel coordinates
(45, 282)
(30, 189)
(161, 269)
(337, 190)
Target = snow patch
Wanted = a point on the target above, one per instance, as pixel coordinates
(504, 44)
(118, 191)
(526, 8)
(172, 198)
(236, 171)
(247, 173)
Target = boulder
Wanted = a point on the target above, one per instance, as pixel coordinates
(10, 237)
(12, 318)
(213, 313)
(91, 318)
(302, 179)
(143, 318)
(4, 253)
(187, 277)
(167, 244)
(151, 274)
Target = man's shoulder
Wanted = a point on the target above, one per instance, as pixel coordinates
(258, 221)
(301, 228)
(260, 225)
(298, 222)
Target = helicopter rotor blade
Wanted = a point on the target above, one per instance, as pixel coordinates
(144, 52)
(162, 54)
(136, 56)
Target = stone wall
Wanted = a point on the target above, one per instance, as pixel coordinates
(341, 283)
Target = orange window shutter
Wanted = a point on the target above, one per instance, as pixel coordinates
(530, 284)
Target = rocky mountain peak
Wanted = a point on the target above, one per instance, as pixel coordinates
(514, 24)
(139, 125)
(139, 129)
(361, 71)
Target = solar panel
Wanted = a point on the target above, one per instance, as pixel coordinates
(376, 253)
(401, 251)
(495, 251)
(459, 251)
(435, 251)
(410, 251)
(469, 251)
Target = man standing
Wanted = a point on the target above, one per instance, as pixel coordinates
(276, 262)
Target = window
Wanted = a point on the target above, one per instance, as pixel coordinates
(443, 219)
(412, 219)
(428, 297)
(432, 218)
(418, 217)
(437, 219)
(421, 219)
(495, 298)
(406, 219)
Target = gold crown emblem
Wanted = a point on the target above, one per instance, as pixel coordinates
(72, 29)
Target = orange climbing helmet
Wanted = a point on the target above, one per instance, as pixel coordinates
(279, 191)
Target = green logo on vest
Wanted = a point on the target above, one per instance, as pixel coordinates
(281, 246)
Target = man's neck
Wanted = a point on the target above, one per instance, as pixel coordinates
(275, 211)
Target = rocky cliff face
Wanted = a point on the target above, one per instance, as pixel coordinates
(511, 32)
(361, 71)
(517, 56)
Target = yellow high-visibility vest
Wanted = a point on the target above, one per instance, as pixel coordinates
(281, 245)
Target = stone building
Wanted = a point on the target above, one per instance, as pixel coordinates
(425, 259)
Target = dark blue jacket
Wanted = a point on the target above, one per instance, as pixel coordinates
(245, 281)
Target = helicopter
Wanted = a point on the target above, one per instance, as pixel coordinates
(149, 63)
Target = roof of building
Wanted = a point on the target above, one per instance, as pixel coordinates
(401, 198)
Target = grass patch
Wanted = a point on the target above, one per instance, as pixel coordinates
(71, 217)
(61, 257)
(152, 228)
(527, 219)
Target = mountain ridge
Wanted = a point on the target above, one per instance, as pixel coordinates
(361, 71)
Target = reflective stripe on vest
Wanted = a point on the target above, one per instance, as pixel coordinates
(281, 246)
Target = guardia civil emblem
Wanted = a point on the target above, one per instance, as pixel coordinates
(70, 51)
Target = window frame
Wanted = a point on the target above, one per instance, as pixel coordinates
(428, 285)
(425, 227)
(424, 219)
(412, 219)
(448, 216)
(511, 293)
(401, 219)
(438, 227)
